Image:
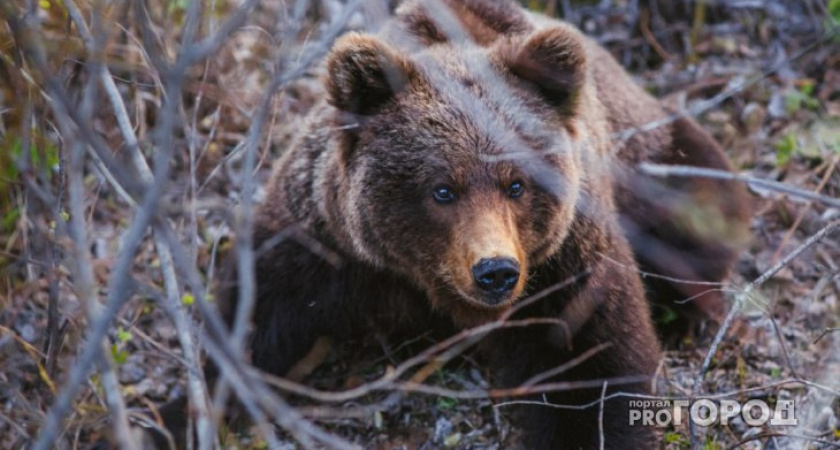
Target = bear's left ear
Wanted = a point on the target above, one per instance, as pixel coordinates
(363, 74)
(554, 62)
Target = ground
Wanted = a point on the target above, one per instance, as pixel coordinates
(764, 77)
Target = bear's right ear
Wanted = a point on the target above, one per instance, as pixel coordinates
(364, 74)
(553, 61)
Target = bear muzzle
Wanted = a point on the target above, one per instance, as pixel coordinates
(496, 278)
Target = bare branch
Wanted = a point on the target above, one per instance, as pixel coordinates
(825, 333)
(601, 439)
(688, 171)
(185, 330)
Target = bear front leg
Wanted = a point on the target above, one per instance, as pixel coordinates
(299, 298)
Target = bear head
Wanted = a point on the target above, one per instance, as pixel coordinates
(457, 166)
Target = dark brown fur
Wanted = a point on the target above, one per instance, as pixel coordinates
(689, 229)
(513, 97)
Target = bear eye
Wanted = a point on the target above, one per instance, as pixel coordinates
(515, 189)
(443, 194)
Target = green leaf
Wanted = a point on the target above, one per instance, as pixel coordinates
(801, 98)
(665, 315)
(672, 437)
(807, 87)
(446, 403)
(178, 6)
(712, 444)
(785, 148)
(187, 299)
(123, 336)
(119, 356)
(11, 167)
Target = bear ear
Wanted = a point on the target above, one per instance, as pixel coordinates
(554, 62)
(364, 74)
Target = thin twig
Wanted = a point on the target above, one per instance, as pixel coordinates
(782, 344)
(662, 170)
(824, 333)
(601, 417)
(185, 331)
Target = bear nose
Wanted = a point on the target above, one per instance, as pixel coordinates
(496, 275)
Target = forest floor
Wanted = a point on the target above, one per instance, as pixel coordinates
(766, 76)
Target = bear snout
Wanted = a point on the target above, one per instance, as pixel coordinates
(496, 278)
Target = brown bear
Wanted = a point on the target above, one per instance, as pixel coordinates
(686, 233)
(464, 163)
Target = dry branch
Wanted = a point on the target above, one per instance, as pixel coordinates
(661, 170)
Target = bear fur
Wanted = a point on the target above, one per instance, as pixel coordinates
(686, 233)
(484, 132)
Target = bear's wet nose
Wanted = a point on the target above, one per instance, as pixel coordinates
(496, 275)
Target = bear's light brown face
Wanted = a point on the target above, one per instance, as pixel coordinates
(461, 173)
